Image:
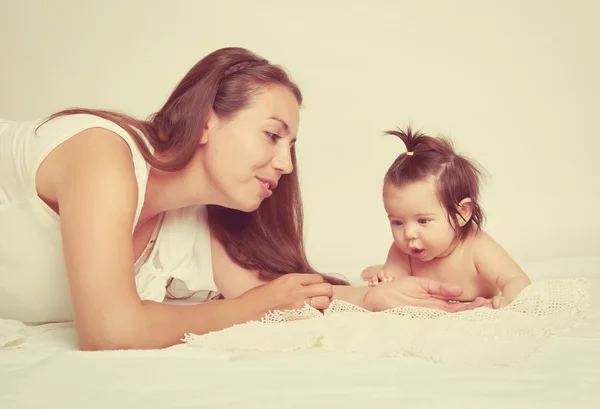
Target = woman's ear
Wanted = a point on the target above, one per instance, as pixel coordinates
(211, 124)
(465, 209)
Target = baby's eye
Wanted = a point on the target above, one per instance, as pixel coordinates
(423, 221)
(396, 223)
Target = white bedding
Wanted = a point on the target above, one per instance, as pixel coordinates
(48, 372)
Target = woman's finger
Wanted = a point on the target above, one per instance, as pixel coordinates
(310, 279)
(320, 302)
(458, 306)
(437, 288)
(318, 290)
(445, 305)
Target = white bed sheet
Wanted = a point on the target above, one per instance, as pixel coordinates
(49, 372)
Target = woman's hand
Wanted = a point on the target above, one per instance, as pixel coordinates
(290, 291)
(418, 292)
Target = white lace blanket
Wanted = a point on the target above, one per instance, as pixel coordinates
(479, 337)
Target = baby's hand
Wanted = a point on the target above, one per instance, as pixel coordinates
(500, 302)
(374, 275)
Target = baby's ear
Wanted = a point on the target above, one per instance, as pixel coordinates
(465, 209)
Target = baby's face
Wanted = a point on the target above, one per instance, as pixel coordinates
(419, 222)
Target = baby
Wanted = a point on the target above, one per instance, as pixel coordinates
(431, 196)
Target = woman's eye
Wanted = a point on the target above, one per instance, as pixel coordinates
(273, 136)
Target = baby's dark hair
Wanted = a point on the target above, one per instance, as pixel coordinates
(457, 177)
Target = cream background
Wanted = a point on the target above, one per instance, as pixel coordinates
(514, 83)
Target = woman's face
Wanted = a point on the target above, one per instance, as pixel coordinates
(245, 156)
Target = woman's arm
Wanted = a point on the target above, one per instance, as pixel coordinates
(97, 196)
(404, 291)
(232, 280)
(354, 295)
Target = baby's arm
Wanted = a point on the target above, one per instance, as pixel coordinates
(397, 264)
(496, 266)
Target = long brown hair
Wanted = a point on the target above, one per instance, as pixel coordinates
(270, 239)
(457, 177)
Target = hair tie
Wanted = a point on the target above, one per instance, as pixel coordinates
(410, 153)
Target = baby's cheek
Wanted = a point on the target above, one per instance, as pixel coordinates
(398, 240)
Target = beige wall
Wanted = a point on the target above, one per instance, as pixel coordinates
(515, 83)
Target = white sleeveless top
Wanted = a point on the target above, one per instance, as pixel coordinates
(33, 280)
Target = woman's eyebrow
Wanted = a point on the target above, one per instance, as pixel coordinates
(286, 128)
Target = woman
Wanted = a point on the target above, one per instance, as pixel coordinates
(101, 212)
